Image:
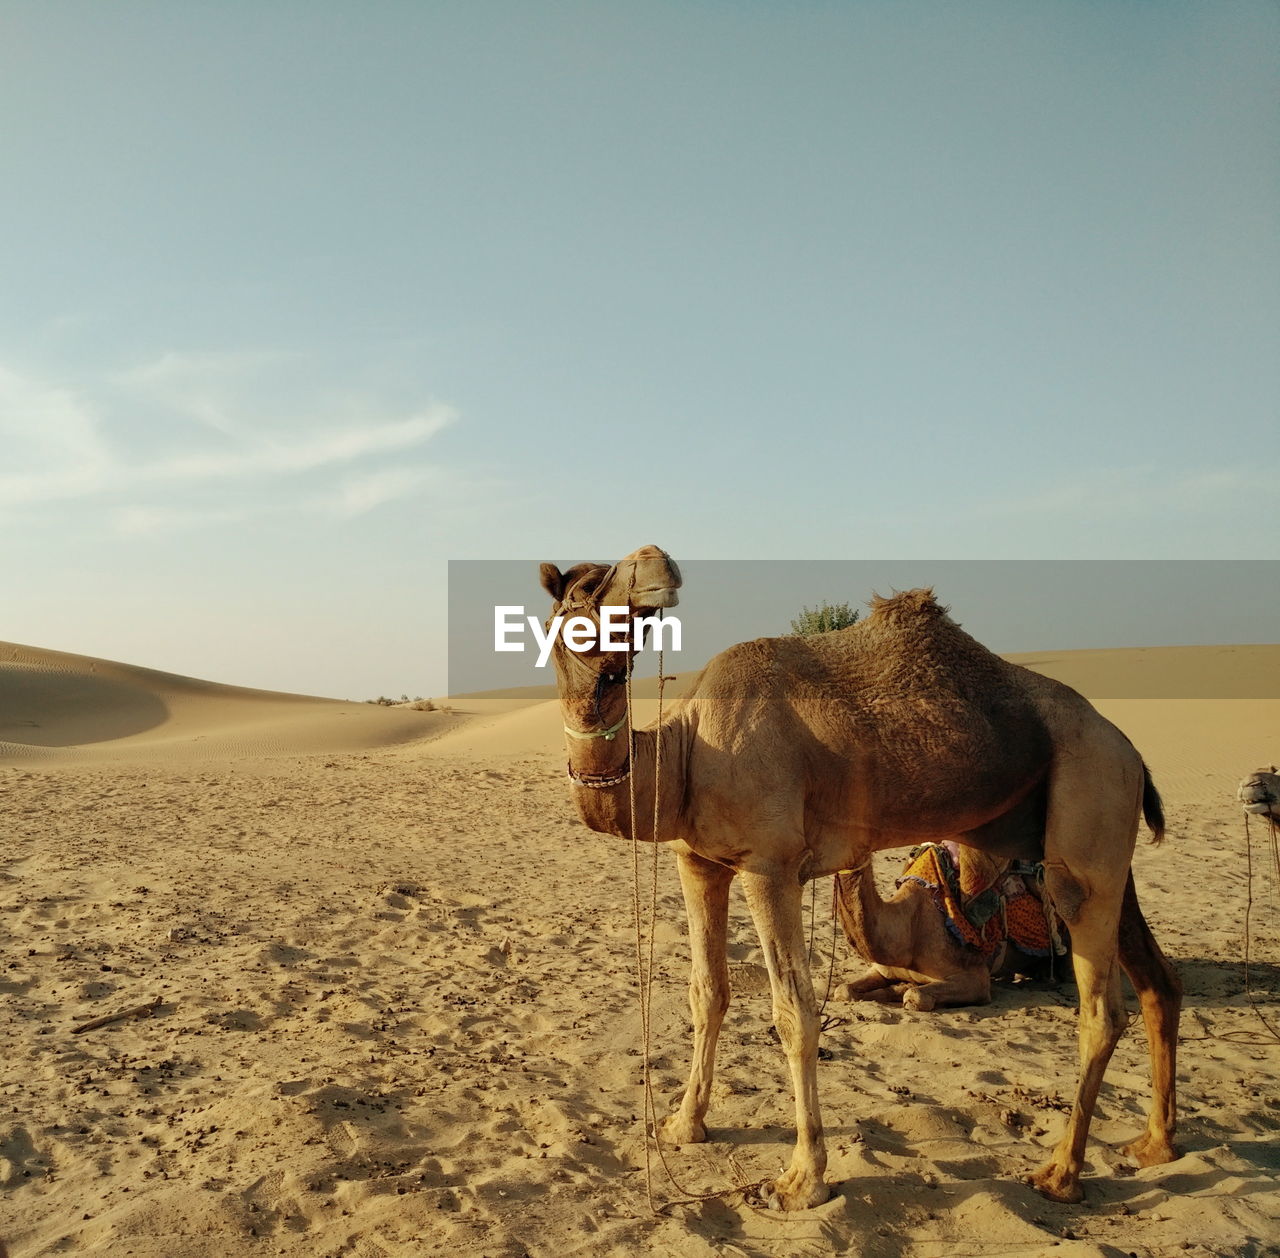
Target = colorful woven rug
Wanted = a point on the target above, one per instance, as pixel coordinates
(981, 912)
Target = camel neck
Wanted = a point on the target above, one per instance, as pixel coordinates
(630, 775)
(864, 914)
(596, 736)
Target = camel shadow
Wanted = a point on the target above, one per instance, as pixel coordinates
(770, 1133)
(852, 1211)
(1210, 982)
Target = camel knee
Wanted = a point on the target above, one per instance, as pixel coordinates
(797, 1027)
(709, 995)
(795, 1015)
(1153, 978)
(1165, 990)
(1107, 1020)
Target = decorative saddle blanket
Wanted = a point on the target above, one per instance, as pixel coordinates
(984, 914)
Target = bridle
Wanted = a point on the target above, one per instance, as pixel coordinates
(608, 734)
(596, 781)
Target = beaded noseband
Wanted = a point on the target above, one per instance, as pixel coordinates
(598, 781)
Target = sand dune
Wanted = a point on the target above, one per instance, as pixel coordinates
(397, 1013)
(1165, 672)
(74, 709)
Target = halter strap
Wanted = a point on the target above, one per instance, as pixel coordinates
(608, 735)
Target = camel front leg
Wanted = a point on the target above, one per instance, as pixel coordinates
(706, 899)
(871, 986)
(968, 987)
(775, 903)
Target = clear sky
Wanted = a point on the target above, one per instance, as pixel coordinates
(302, 300)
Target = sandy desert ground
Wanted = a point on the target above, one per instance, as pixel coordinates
(397, 1013)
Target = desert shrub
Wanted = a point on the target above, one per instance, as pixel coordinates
(824, 618)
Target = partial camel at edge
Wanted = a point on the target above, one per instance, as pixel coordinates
(1259, 793)
(795, 757)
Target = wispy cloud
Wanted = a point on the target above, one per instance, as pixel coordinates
(138, 521)
(52, 437)
(201, 387)
(60, 446)
(303, 454)
(352, 497)
(363, 493)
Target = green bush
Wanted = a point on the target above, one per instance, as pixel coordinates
(825, 618)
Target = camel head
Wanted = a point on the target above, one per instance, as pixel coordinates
(642, 582)
(1260, 793)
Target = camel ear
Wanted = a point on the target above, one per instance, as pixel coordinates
(552, 580)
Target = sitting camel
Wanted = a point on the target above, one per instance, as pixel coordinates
(1260, 793)
(795, 757)
(959, 919)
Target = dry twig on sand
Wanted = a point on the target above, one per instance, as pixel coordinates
(134, 1011)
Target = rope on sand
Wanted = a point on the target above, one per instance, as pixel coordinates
(1249, 1037)
(1248, 912)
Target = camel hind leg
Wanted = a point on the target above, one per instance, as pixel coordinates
(1160, 995)
(1094, 801)
(1102, 1021)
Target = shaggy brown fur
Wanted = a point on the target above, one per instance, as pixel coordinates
(801, 756)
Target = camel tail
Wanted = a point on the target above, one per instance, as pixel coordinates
(1152, 808)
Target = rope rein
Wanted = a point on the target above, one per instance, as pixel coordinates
(1248, 913)
(1249, 1037)
(644, 961)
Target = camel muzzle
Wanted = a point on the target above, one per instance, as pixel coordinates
(651, 578)
(665, 596)
(1258, 798)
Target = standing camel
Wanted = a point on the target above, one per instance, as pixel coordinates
(800, 756)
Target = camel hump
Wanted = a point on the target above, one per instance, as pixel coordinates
(905, 606)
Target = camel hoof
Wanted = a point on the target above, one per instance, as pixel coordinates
(920, 1001)
(1149, 1150)
(1056, 1184)
(677, 1129)
(793, 1191)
